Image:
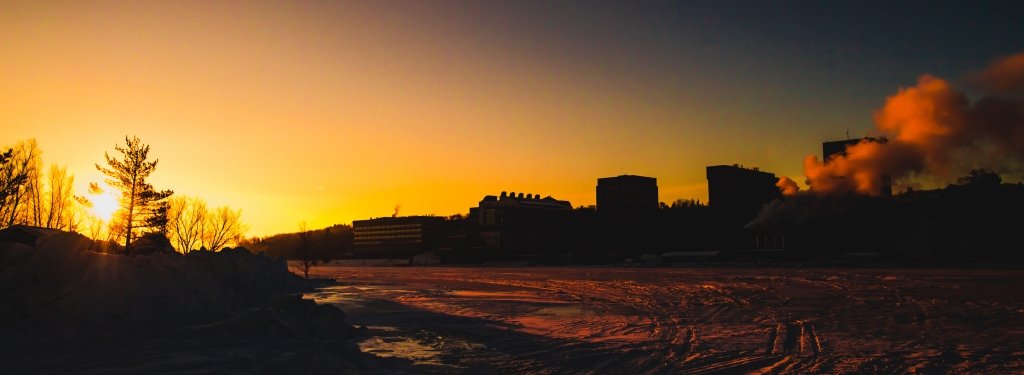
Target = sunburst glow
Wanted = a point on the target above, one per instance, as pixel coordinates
(104, 204)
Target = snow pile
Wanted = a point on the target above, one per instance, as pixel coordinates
(59, 281)
(57, 297)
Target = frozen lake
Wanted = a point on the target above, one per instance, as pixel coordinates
(665, 320)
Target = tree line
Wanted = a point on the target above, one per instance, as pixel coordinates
(33, 195)
(334, 242)
(30, 195)
(307, 247)
(191, 225)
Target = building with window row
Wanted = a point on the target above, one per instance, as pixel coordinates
(397, 237)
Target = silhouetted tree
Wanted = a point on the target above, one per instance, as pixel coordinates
(19, 182)
(154, 209)
(304, 250)
(686, 203)
(31, 209)
(11, 181)
(223, 225)
(981, 178)
(186, 222)
(142, 205)
(334, 242)
(48, 202)
(60, 205)
(94, 224)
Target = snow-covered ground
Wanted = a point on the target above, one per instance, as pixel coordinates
(644, 320)
(64, 310)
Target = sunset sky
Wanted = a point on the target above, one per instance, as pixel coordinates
(329, 111)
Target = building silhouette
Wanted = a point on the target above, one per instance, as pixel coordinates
(737, 194)
(397, 237)
(519, 223)
(627, 195)
(832, 149)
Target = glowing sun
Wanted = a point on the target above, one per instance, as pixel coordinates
(104, 205)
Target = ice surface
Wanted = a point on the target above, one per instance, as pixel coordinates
(628, 320)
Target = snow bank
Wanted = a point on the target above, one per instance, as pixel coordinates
(58, 281)
(57, 294)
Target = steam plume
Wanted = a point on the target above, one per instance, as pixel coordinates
(1005, 75)
(935, 134)
(787, 186)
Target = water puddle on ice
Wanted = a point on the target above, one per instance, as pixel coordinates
(426, 348)
(335, 294)
(390, 342)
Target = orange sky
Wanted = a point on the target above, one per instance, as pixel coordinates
(326, 112)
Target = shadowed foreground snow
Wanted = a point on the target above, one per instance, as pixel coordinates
(65, 310)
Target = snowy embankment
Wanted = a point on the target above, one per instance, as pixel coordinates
(65, 309)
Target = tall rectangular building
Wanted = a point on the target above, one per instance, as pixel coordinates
(627, 194)
(831, 148)
(737, 194)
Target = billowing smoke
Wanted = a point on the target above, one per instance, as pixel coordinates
(787, 186)
(934, 135)
(1006, 75)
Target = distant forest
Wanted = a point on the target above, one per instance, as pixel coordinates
(333, 242)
